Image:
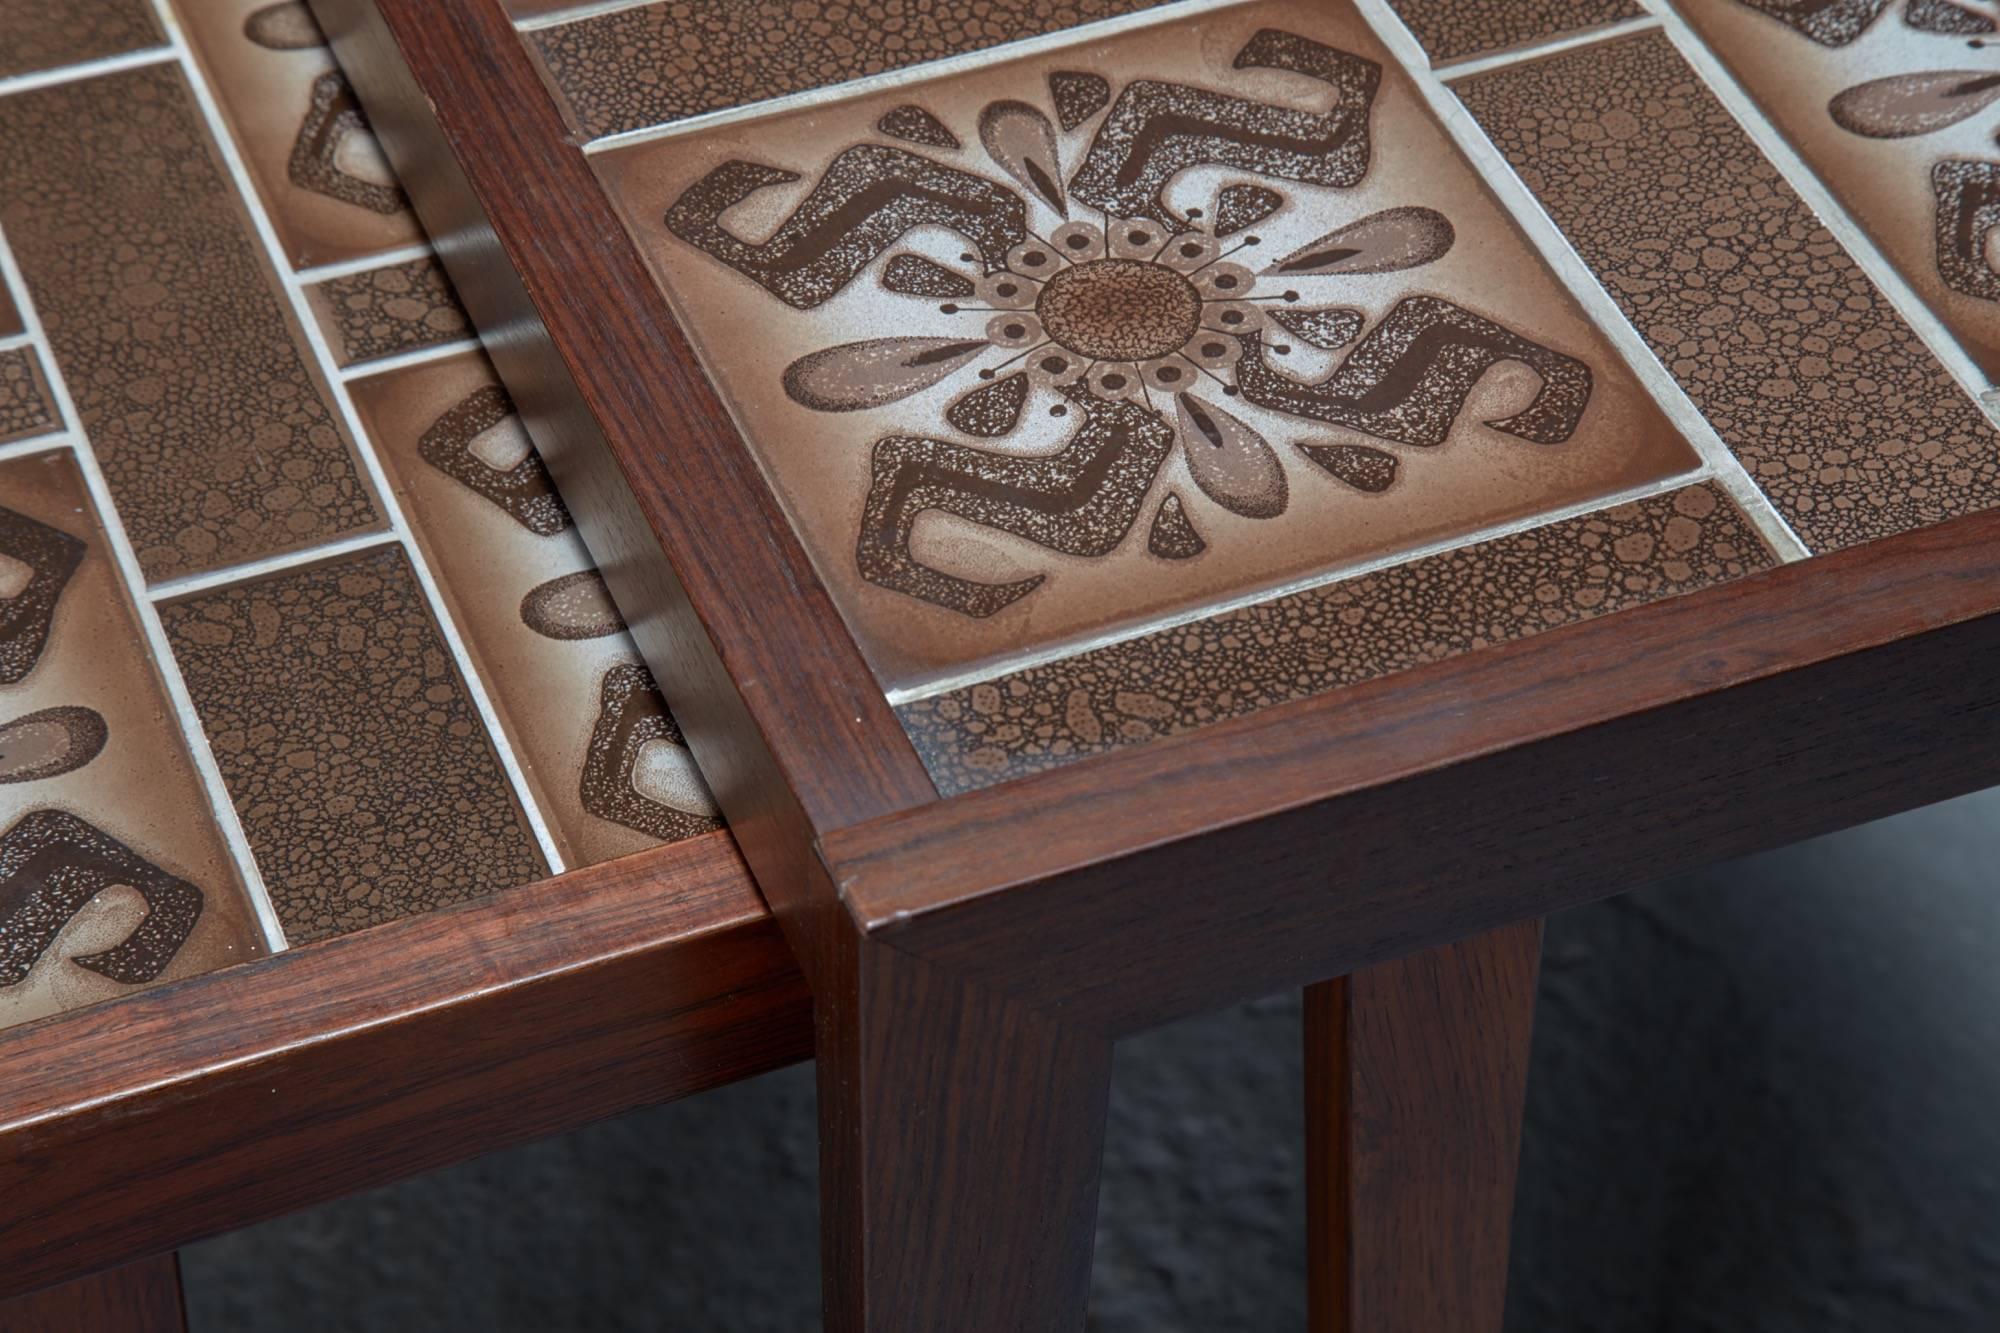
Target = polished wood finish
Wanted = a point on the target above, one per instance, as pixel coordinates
(143, 1296)
(135, 1127)
(1416, 1074)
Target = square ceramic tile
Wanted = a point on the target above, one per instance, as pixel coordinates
(47, 34)
(113, 875)
(1896, 107)
(1125, 331)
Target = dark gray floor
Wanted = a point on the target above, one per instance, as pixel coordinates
(1764, 1099)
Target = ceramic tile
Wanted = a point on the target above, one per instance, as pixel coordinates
(384, 311)
(112, 873)
(1893, 106)
(47, 34)
(604, 760)
(206, 415)
(27, 407)
(1306, 644)
(1315, 341)
(655, 64)
(1836, 408)
(1456, 29)
(323, 179)
(364, 780)
(10, 313)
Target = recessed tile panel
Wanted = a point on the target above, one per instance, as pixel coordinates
(359, 766)
(113, 875)
(389, 310)
(210, 422)
(1835, 406)
(47, 34)
(1457, 29)
(27, 408)
(1893, 105)
(605, 761)
(1189, 313)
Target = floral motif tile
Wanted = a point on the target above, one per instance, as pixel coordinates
(1127, 330)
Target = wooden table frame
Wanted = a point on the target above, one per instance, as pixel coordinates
(971, 981)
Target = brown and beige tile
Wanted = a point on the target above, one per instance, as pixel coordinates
(388, 311)
(1836, 408)
(1136, 372)
(603, 759)
(27, 408)
(206, 413)
(1458, 29)
(329, 191)
(48, 34)
(113, 875)
(1893, 104)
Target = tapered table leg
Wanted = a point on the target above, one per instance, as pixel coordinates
(1416, 1073)
(140, 1297)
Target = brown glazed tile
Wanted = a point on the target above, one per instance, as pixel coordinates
(1456, 29)
(660, 63)
(1893, 105)
(1305, 644)
(112, 872)
(1317, 339)
(384, 311)
(26, 405)
(47, 34)
(604, 761)
(322, 177)
(207, 417)
(1836, 408)
(10, 313)
(365, 782)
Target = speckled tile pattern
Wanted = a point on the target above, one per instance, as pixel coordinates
(1835, 406)
(385, 311)
(1893, 107)
(26, 405)
(1294, 647)
(113, 875)
(206, 414)
(47, 34)
(364, 780)
(665, 62)
(10, 312)
(1457, 29)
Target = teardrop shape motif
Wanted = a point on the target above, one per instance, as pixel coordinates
(1232, 463)
(50, 742)
(1240, 206)
(1173, 536)
(1022, 143)
(1395, 238)
(288, 26)
(913, 124)
(1078, 97)
(1327, 329)
(992, 409)
(913, 275)
(855, 376)
(1904, 105)
(1365, 469)
(573, 606)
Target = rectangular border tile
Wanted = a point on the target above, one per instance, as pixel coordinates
(388, 311)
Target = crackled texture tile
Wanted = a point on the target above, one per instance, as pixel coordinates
(1456, 29)
(1315, 340)
(384, 311)
(47, 34)
(365, 782)
(604, 759)
(660, 63)
(1836, 408)
(1294, 647)
(26, 405)
(112, 873)
(203, 409)
(328, 189)
(1893, 105)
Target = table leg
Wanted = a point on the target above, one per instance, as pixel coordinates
(1416, 1073)
(140, 1297)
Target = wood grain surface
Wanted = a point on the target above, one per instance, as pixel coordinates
(143, 1296)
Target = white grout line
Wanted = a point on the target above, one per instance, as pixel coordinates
(1467, 66)
(89, 69)
(576, 13)
(173, 590)
(15, 341)
(347, 268)
(55, 437)
(382, 365)
(1570, 269)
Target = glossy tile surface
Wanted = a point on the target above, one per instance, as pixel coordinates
(206, 414)
(655, 64)
(389, 310)
(1306, 644)
(1893, 105)
(26, 406)
(1456, 29)
(112, 872)
(364, 780)
(329, 191)
(1345, 352)
(1837, 409)
(46, 34)
(605, 761)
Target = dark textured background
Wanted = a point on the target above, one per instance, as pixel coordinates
(1763, 1099)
